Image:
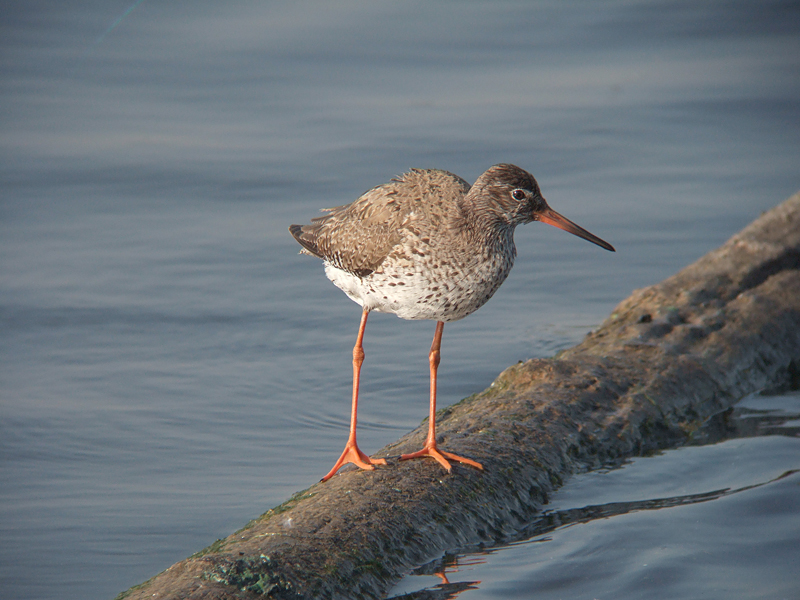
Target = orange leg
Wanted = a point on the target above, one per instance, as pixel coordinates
(443, 577)
(352, 453)
(430, 448)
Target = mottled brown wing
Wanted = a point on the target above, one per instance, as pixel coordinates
(357, 237)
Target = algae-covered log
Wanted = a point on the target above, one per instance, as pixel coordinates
(668, 357)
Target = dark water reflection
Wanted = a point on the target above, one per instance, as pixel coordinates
(163, 349)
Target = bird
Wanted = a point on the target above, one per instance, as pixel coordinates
(426, 245)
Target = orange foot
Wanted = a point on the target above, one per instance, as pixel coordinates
(353, 454)
(441, 456)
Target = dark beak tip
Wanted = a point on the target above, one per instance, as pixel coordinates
(551, 217)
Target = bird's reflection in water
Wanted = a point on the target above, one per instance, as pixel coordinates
(449, 563)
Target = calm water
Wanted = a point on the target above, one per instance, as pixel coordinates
(170, 368)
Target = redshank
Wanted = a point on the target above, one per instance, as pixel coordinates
(426, 246)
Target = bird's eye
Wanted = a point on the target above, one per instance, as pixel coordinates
(518, 195)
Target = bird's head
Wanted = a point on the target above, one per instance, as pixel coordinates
(510, 195)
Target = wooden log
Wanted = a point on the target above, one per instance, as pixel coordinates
(667, 358)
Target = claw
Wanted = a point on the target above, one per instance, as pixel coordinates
(353, 454)
(441, 457)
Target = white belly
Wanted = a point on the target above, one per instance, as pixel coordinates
(413, 292)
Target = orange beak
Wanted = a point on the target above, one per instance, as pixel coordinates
(551, 217)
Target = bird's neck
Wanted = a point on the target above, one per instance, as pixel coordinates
(481, 224)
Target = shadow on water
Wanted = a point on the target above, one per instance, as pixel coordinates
(734, 423)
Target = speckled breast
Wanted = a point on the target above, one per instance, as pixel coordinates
(442, 286)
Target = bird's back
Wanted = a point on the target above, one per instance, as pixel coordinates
(358, 237)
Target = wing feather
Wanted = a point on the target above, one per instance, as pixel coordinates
(358, 237)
